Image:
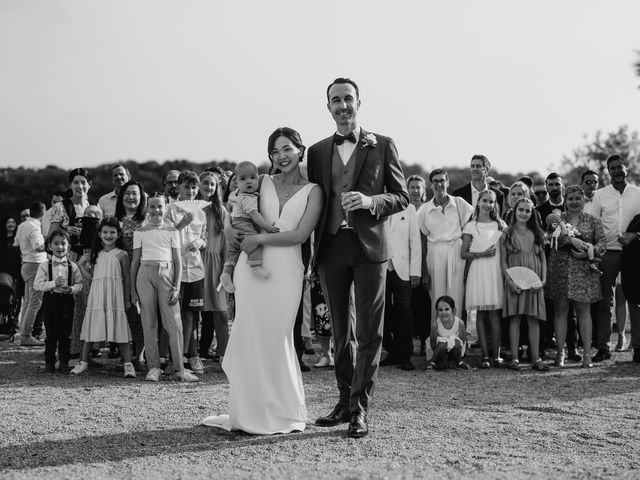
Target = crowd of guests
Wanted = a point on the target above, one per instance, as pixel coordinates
(151, 275)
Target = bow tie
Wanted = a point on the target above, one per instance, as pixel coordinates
(60, 262)
(339, 139)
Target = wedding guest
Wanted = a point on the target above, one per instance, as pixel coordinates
(615, 205)
(107, 203)
(569, 278)
(170, 185)
(448, 336)
(485, 285)
(192, 229)
(589, 181)
(403, 274)
(232, 186)
(214, 314)
(351, 245)
(57, 197)
(479, 169)
(420, 301)
(131, 210)
(8, 233)
(541, 194)
(522, 245)
(32, 249)
(630, 275)
(441, 221)
(517, 191)
(24, 214)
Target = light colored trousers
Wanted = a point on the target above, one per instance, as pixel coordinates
(154, 284)
(32, 298)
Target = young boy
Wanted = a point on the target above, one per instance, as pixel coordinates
(245, 216)
(59, 279)
(192, 227)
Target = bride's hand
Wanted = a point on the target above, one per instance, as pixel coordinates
(250, 242)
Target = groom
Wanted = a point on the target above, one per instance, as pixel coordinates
(360, 174)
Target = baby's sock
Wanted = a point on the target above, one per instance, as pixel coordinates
(259, 272)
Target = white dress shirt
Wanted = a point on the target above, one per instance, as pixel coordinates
(346, 149)
(615, 210)
(30, 239)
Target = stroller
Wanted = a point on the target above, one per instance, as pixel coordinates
(9, 307)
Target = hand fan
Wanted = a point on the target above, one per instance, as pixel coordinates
(191, 205)
(524, 278)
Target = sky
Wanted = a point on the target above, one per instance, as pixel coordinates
(87, 82)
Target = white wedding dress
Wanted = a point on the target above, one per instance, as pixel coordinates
(266, 395)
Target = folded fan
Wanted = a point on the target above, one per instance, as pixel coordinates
(524, 277)
(191, 205)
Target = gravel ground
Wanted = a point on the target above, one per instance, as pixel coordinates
(494, 424)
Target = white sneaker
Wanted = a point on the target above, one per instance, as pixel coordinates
(196, 365)
(153, 375)
(186, 376)
(324, 362)
(129, 371)
(79, 368)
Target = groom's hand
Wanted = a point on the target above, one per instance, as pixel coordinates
(356, 201)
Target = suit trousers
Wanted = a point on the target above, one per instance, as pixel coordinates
(57, 310)
(343, 261)
(32, 298)
(154, 284)
(398, 318)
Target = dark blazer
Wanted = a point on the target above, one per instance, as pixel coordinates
(465, 192)
(377, 174)
(545, 210)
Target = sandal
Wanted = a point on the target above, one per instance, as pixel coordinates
(514, 365)
(539, 366)
(498, 363)
(485, 363)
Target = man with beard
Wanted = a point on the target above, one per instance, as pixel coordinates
(170, 184)
(615, 206)
(107, 203)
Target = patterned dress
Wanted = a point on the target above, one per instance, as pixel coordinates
(569, 277)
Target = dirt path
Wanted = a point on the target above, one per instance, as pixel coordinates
(573, 423)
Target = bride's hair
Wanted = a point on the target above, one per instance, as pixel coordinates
(289, 133)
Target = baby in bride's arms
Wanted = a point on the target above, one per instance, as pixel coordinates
(245, 216)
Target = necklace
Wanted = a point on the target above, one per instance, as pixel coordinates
(288, 189)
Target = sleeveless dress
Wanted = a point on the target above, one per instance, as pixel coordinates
(266, 394)
(105, 318)
(485, 286)
(524, 253)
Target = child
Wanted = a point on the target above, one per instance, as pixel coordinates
(59, 279)
(156, 272)
(448, 335)
(523, 245)
(192, 229)
(105, 319)
(245, 216)
(556, 226)
(485, 286)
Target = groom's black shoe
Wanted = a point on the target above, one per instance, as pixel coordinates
(390, 360)
(340, 414)
(358, 427)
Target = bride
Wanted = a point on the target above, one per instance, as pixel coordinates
(266, 395)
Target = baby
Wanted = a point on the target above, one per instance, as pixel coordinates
(556, 227)
(245, 216)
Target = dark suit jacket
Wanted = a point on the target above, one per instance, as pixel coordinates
(545, 210)
(377, 174)
(465, 192)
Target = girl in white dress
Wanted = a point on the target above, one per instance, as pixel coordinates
(448, 336)
(266, 395)
(485, 287)
(105, 319)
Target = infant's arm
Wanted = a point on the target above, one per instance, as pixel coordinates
(260, 221)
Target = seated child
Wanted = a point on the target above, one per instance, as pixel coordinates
(245, 216)
(556, 227)
(448, 336)
(59, 279)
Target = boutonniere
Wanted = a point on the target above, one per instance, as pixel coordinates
(369, 140)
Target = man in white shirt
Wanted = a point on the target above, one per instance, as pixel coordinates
(31, 242)
(615, 206)
(479, 168)
(107, 203)
(170, 184)
(45, 223)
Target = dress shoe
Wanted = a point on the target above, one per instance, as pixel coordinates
(389, 360)
(358, 427)
(48, 368)
(574, 356)
(406, 366)
(601, 355)
(340, 414)
(30, 341)
(64, 368)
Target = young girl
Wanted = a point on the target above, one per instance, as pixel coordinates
(105, 319)
(485, 286)
(448, 335)
(523, 245)
(156, 272)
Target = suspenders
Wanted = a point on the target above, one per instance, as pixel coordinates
(69, 272)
